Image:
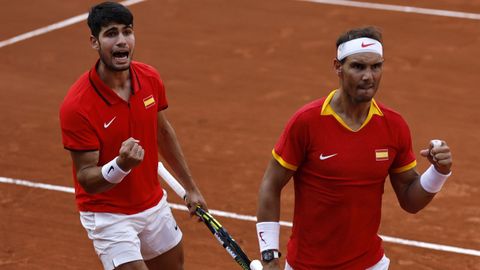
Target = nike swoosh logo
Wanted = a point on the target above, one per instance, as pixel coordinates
(366, 45)
(106, 125)
(261, 237)
(322, 157)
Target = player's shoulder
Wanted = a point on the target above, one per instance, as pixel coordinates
(145, 70)
(388, 111)
(75, 99)
(311, 109)
(390, 114)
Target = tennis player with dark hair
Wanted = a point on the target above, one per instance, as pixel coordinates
(339, 150)
(113, 124)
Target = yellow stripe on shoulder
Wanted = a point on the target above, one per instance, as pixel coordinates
(405, 168)
(283, 162)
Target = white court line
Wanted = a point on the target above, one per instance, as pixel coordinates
(252, 218)
(55, 26)
(406, 9)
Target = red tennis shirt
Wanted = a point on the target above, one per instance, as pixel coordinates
(339, 182)
(94, 118)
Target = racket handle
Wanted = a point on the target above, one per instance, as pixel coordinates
(256, 265)
(171, 181)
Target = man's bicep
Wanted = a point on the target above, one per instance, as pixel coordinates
(277, 175)
(161, 120)
(163, 125)
(275, 178)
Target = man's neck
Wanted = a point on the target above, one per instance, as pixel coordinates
(118, 81)
(353, 113)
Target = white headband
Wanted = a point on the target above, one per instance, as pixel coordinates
(359, 45)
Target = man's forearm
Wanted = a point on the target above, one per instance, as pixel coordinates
(268, 203)
(92, 181)
(416, 198)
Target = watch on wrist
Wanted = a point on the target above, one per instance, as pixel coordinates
(270, 255)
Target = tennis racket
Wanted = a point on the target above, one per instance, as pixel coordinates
(213, 225)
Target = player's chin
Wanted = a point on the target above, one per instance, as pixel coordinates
(120, 66)
(365, 94)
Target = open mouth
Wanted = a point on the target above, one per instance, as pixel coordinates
(120, 56)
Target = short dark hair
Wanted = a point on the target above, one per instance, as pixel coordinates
(372, 32)
(105, 13)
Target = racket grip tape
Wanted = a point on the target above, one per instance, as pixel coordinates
(171, 181)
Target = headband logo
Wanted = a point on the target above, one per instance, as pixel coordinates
(366, 45)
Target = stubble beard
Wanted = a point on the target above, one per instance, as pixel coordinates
(363, 99)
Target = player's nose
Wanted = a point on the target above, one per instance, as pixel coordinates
(367, 75)
(121, 40)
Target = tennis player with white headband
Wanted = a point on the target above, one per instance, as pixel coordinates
(339, 150)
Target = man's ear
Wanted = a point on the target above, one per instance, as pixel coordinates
(337, 66)
(94, 43)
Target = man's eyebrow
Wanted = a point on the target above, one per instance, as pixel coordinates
(363, 63)
(111, 28)
(119, 27)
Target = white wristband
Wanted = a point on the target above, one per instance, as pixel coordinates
(432, 181)
(268, 234)
(113, 173)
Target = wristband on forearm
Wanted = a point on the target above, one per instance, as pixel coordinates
(113, 173)
(268, 234)
(432, 181)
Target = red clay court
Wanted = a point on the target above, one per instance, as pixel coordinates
(235, 71)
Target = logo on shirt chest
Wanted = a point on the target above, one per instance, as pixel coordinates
(324, 157)
(107, 124)
(149, 101)
(381, 154)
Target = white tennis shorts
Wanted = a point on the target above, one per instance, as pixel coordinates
(120, 238)
(381, 265)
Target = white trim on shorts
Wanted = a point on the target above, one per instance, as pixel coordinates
(121, 238)
(381, 265)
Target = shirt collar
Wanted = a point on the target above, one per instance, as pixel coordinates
(327, 110)
(105, 92)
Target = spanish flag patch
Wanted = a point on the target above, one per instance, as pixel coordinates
(381, 154)
(149, 101)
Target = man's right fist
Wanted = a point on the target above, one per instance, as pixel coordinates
(130, 155)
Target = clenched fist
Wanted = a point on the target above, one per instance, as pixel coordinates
(130, 155)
